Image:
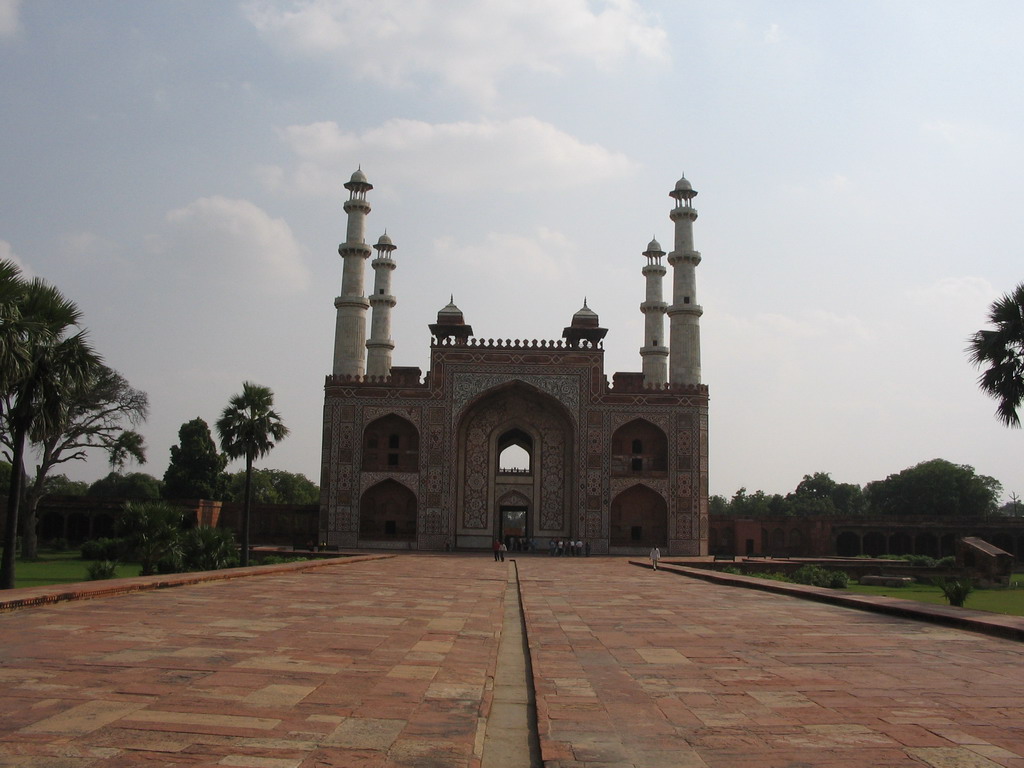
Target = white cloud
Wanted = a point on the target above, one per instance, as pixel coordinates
(86, 245)
(236, 243)
(773, 34)
(545, 256)
(467, 45)
(7, 254)
(957, 132)
(812, 324)
(9, 17)
(521, 154)
(951, 292)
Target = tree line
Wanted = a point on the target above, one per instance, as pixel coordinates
(935, 488)
(58, 400)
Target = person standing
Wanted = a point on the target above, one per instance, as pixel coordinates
(655, 557)
(496, 546)
(502, 549)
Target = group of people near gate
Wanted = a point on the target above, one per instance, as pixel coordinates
(568, 547)
(556, 547)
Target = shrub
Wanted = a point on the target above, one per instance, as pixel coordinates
(955, 590)
(59, 545)
(733, 570)
(838, 580)
(102, 569)
(154, 530)
(922, 561)
(104, 549)
(208, 549)
(816, 576)
(277, 559)
(946, 562)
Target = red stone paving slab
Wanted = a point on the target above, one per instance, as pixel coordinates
(647, 669)
(388, 662)
(384, 662)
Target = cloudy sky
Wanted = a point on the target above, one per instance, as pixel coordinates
(176, 168)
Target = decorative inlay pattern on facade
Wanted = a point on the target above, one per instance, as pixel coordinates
(409, 479)
(513, 499)
(574, 489)
(565, 389)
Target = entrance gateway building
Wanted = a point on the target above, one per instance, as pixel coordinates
(414, 461)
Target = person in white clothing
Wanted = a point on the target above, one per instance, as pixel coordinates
(655, 557)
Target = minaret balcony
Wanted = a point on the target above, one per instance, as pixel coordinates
(382, 300)
(356, 204)
(354, 249)
(695, 310)
(684, 257)
(351, 301)
(653, 306)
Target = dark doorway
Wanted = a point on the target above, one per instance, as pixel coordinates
(513, 522)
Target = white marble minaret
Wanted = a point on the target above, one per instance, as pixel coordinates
(654, 352)
(684, 314)
(350, 330)
(380, 346)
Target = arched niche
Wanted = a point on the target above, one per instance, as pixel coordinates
(639, 448)
(515, 415)
(639, 518)
(515, 452)
(387, 512)
(391, 444)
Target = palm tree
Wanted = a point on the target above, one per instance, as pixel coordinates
(41, 360)
(250, 427)
(1000, 353)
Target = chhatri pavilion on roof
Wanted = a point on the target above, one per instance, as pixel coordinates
(414, 461)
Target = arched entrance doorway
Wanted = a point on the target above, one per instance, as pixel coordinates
(387, 513)
(639, 519)
(515, 470)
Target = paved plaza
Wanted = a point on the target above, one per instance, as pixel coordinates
(391, 662)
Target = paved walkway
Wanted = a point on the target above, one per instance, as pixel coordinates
(391, 663)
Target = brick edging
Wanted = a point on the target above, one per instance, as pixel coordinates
(994, 624)
(27, 597)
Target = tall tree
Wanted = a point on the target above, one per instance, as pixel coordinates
(274, 486)
(196, 469)
(249, 428)
(936, 488)
(1000, 353)
(134, 485)
(98, 413)
(43, 357)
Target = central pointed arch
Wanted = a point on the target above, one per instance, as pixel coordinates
(515, 414)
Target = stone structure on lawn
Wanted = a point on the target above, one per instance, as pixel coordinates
(416, 461)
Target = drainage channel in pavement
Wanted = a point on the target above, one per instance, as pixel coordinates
(511, 739)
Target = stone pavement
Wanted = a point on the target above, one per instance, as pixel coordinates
(635, 667)
(390, 662)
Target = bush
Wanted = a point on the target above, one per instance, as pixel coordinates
(922, 561)
(58, 545)
(955, 590)
(277, 559)
(838, 580)
(104, 549)
(208, 549)
(946, 562)
(816, 576)
(102, 569)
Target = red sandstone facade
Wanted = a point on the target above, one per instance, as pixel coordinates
(414, 463)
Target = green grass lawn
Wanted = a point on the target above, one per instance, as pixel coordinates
(60, 568)
(1008, 601)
